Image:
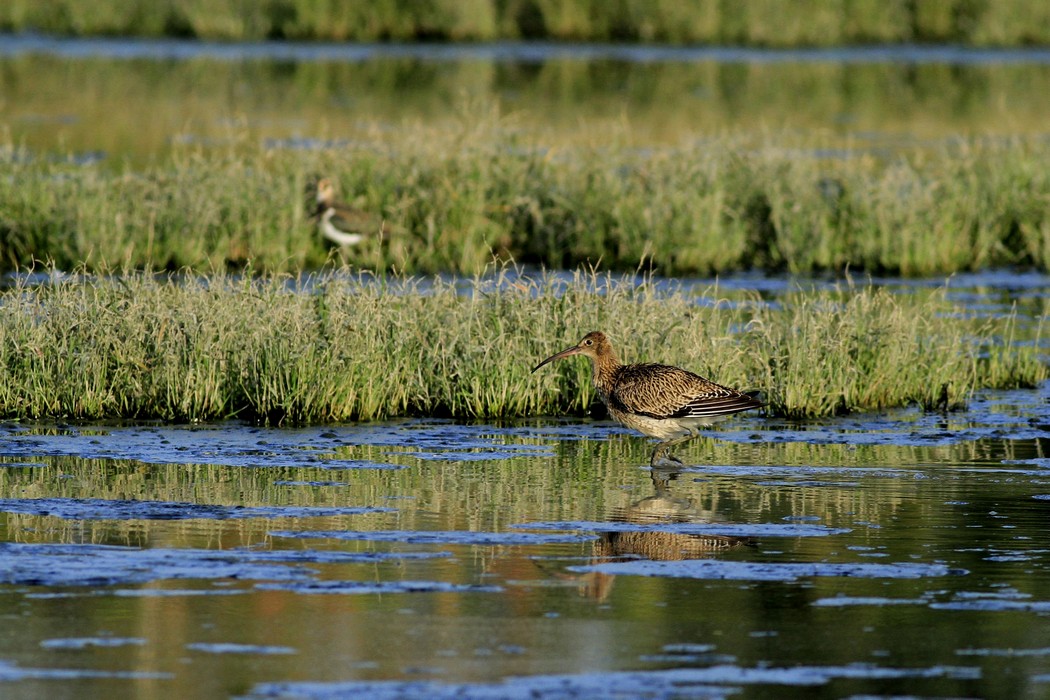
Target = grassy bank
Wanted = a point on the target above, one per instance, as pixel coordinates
(463, 191)
(779, 23)
(359, 348)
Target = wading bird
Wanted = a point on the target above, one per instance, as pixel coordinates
(664, 402)
(340, 223)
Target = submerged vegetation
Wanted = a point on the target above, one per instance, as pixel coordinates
(460, 193)
(780, 23)
(339, 347)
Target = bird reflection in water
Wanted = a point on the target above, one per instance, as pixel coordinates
(662, 508)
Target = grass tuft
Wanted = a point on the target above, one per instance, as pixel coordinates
(347, 346)
(457, 199)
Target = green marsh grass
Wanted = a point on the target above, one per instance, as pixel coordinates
(778, 23)
(345, 346)
(460, 194)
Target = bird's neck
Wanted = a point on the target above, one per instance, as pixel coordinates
(604, 376)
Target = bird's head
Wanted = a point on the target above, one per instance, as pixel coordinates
(594, 345)
(325, 191)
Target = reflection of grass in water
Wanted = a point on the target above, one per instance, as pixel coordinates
(587, 480)
(779, 23)
(458, 199)
(56, 105)
(353, 348)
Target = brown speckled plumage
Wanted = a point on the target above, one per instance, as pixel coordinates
(668, 403)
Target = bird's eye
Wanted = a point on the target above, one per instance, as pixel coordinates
(588, 342)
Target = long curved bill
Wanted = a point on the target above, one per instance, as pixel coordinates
(574, 350)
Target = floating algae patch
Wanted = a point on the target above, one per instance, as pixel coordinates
(790, 471)
(78, 643)
(320, 447)
(320, 556)
(641, 685)
(726, 529)
(1009, 414)
(875, 601)
(229, 648)
(1044, 651)
(101, 509)
(695, 659)
(484, 454)
(756, 571)
(142, 593)
(448, 441)
(432, 434)
(1042, 462)
(989, 605)
(810, 483)
(9, 672)
(713, 682)
(371, 587)
(465, 537)
(1009, 557)
(1004, 593)
(104, 565)
(223, 444)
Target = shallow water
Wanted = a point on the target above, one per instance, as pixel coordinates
(893, 554)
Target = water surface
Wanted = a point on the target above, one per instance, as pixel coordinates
(894, 554)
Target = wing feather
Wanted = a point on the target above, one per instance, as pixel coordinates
(662, 391)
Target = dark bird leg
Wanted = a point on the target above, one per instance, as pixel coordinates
(662, 456)
(662, 479)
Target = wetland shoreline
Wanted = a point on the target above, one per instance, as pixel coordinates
(350, 346)
(460, 194)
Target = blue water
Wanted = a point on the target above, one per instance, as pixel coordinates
(515, 52)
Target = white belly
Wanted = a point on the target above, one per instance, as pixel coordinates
(335, 235)
(663, 428)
